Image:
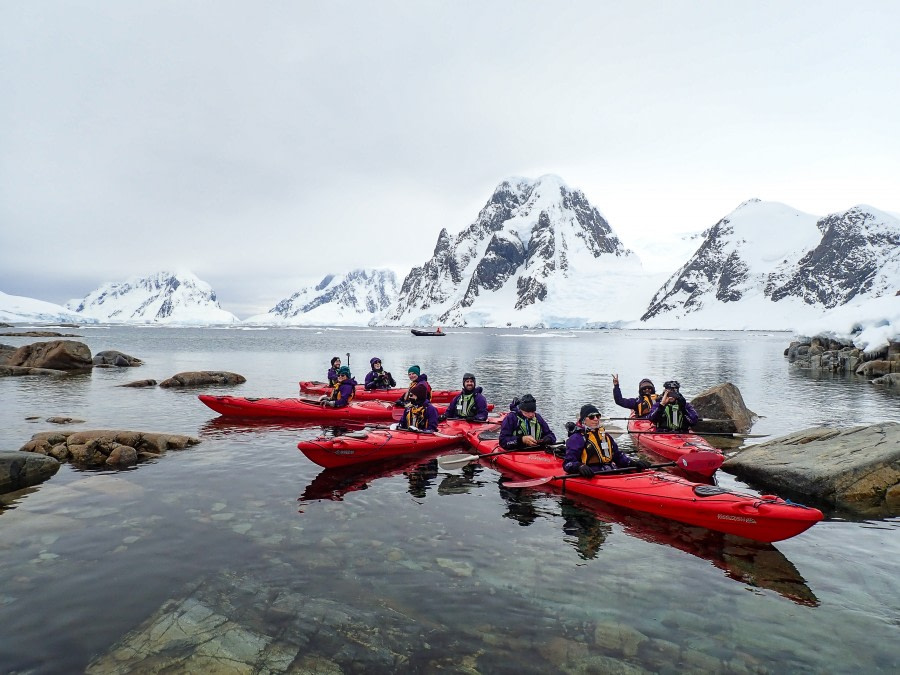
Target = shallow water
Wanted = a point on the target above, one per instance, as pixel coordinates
(459, 573)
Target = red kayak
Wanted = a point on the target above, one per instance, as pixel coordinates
(766, 518)
(305, 409)
(373, 445)
(322, 389)
(670, 445)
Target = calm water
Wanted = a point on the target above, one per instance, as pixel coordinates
(481, 579)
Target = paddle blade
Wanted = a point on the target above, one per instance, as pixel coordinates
(456, 461)
(702, 462)
(533, 482)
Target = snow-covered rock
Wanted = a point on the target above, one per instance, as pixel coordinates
(19, 309)
(338, 300)
(164, 297)
(868, 324)
(538, 254)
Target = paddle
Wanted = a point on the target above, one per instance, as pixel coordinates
(726, 434)
(456, 461)
(628, 419)
(690, 462)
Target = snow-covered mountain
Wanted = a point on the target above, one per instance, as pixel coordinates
(164, 297)
(19, 309)
(858, 257)
(768, 266)
(538, 254)
(338, 300)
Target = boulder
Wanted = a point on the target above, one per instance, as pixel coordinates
(856, 469)
(112, 358)
(200, 378)
(104, 447)
(722, 409)
(18, 471)
(6, 351)
(878, 367)
(65, 355)
(889, 380)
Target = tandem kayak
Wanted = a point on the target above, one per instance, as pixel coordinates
(766, 518)
(670, 445)
(372, 445)
(322, 389)
(305, 409)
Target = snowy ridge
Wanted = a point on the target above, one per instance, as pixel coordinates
(742, 255)
(538, 254)
(19, 309)
(338, 300)
(164, 297)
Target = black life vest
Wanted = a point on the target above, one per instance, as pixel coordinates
(645, 402)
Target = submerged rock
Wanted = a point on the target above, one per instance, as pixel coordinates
(105, 447)
(856, 469)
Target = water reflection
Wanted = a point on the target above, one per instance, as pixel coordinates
(588, 523)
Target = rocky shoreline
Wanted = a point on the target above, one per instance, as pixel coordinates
(824, 354)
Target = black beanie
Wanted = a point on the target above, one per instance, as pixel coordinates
(468, 376)
(586, 410)
(335, 358)
(527, 403)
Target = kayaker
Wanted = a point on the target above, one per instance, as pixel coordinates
(333, 371)
(378, 377)
(416, 376)
(469, 403)
(590, 450)
(419, 413)
(343, 390)
(644, 401)
(524, 427)
(672, 412)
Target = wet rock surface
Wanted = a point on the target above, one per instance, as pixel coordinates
(201, 378)
(112, 358)
(857, 469)
(19, 471)
(105, 447)
(67, 355)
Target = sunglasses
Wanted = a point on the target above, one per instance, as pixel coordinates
(593, 416)
(646, 388)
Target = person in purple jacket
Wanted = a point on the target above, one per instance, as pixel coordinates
(590, 450)
(644, 401)
(333, 371)
(342, 392)
(378, 377)
(419, 414)
(469, 404)
(671, 412)
(524, 427)
(416, 376)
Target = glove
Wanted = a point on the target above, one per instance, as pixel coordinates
(586, 471)
(680, 399)
(331, 404)
(641, 464)
(442, 417)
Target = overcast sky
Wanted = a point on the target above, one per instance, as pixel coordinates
(264, 145)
